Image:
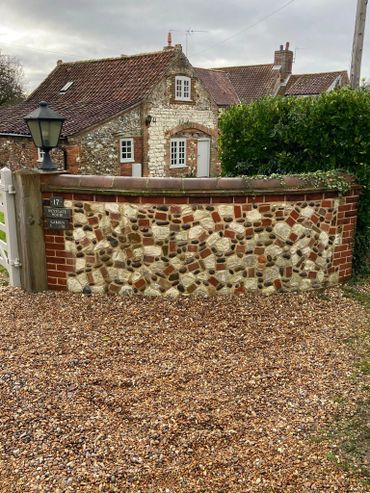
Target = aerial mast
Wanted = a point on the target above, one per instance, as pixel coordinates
(188, 33)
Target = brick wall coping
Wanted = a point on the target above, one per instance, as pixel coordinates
(113, 185)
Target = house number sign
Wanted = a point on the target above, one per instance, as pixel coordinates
(57, 216)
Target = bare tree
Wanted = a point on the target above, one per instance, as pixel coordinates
(11, 80)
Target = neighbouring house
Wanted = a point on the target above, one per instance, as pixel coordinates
(231, 85)
(150, 114)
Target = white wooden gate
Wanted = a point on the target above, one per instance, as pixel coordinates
(9, 254)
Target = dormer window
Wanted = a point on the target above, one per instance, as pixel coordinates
(182, 88)
(66, 87)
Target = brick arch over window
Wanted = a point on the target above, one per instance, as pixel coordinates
(189, 126)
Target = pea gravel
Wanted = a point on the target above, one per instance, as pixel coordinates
(217, 395)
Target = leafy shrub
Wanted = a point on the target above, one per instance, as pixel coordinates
(300, 135)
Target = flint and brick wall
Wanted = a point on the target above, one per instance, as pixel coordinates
(197, 236)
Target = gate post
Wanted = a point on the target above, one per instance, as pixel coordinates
(31, 233)
(11, 227)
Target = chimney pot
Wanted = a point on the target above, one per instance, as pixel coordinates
(281, 47)
(59, 62)
(287, 45)
(169, 39)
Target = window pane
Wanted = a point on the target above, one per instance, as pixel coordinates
(126, 149)
(179, 88)
(186, 89)
(181, 156)
(173, 153)
(178, 152)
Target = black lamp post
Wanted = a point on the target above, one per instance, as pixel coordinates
(45, 126)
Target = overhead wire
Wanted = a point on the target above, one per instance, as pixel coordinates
(254, 24)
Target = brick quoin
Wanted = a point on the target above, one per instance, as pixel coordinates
(347, 215)
(59, 262)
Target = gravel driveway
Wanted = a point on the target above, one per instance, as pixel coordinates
(109, 394)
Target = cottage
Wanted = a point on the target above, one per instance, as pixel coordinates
(150, 114)
(137, 115)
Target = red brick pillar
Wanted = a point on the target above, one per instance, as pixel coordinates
(347, 217)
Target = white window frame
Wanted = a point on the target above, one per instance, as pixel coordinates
(179, 161)
(40, 155)
(66, 86)
(182, 88)
(131, 157)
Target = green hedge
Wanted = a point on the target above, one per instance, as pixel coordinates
(300, 135)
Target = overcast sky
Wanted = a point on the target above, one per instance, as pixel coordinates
(237, 32)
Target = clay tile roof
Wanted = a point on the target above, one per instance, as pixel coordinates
(218, 85)
(101, 89)
(253, 81)
(311, 84)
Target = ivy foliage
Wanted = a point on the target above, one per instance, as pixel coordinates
(303, 135)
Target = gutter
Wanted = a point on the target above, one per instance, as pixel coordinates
(4, 134)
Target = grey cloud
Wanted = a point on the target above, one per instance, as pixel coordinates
(320, 30)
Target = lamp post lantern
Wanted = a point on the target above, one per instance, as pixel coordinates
(45, 126)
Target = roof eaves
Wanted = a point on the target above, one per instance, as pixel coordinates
(9, 134)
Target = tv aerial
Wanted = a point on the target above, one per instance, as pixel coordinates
(188, 33)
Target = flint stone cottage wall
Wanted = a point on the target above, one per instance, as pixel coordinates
(177, 236)
(198, 118)
(98, 148)
(20, 152)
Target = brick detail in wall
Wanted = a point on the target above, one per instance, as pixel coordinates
(346, 225)
(126, 169)
(162, 245)
(59, 261)
(73, 158)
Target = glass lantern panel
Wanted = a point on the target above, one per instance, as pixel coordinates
(50, 130)
(35, 130)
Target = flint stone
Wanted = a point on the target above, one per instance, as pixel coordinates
(226, 210)
(251, 284)
(238, 228)
(160, 232)
(112, 207)
(253, 216)
(74, 286)
(195, 232)
(282, 230)
(268, 291)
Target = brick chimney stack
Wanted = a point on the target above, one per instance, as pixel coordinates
(284, 58)
(169, 42)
